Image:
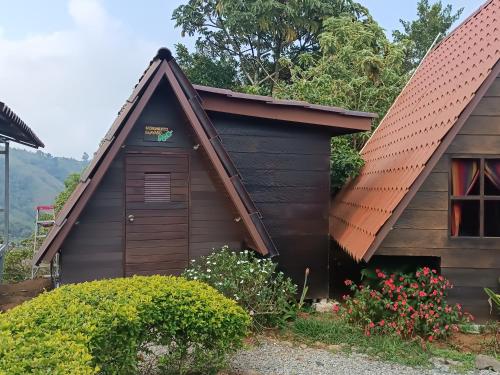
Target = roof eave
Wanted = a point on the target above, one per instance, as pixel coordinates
(339, 122)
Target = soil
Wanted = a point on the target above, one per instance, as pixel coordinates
(474, 343)
(12, 295)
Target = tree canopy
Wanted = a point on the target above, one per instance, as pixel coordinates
(327, 52)
(257, 34)
(433, 21)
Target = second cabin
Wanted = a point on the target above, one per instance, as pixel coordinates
(185, 170)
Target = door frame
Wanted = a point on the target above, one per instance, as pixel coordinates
(152, 151)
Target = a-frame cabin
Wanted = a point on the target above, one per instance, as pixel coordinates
(184, 170)
(430, 188)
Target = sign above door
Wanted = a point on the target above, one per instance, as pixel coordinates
(157, 133)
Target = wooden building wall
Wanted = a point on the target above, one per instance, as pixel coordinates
(94, 248)
(284, 167)
(422, 230)
(286, 170)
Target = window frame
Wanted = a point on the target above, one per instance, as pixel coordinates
(481, 197)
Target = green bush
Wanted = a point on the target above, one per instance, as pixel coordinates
(254, 283)
(18, 258)
(101, 326)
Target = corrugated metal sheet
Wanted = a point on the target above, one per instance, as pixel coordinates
(12, 127)
(427, 109)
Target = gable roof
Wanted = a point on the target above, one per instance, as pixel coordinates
(163, 66)
(13, 128)
(337, 120)
(416, 131)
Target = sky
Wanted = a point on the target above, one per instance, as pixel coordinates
(67, 66)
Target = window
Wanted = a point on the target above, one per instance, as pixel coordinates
(475, 197)
(157, 187)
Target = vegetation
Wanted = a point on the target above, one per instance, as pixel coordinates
(203, 70)
(35, 179)
(407, 305)
(70, 184)
(433, 20)
(325, 52)
(101, 326)
(257, 34)
(494, 298)
(17, 264)
(255, 284)
(334, 330)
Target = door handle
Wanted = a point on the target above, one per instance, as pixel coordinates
(131, 218)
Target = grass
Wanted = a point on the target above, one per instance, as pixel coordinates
(387, 347)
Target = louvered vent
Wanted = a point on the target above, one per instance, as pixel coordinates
(157, 187)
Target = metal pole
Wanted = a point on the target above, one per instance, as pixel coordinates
(5, 245)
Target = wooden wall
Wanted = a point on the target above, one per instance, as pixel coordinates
(422, 229)
(285, 169)
(94, 248)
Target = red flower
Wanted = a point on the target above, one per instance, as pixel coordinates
(348, 282)
(422, 293)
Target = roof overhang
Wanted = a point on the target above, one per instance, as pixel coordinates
(14, 129)
(338, 120)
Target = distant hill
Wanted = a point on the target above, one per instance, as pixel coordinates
(35, 179)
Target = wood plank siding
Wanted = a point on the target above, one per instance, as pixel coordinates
(285, 169)
(422, 229)
(99, 253)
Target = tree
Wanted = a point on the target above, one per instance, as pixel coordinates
(203, 70)
(359, 69)
(432, 20)
(259, 33)
(70, 185)
(85, 157)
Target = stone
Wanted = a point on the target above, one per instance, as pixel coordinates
(250, 372)
(324, 306)
(484, 362)
(303, 346)
(451, 362)
(319, 344)
(335, 348)
(287, 344)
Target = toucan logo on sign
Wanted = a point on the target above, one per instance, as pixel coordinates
(157, 133)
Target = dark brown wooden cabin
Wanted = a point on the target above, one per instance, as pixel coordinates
(185, 170)
(429, 192)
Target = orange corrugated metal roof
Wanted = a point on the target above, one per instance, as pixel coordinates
(426, 110)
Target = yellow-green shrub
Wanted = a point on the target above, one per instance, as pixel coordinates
(99, 327)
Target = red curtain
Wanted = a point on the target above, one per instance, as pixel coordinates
(464, 174)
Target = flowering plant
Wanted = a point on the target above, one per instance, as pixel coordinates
(405, 304)
(254, 283)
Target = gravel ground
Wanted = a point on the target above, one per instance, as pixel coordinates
(281, 358)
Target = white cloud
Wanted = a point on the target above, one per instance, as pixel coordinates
(68, 85)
